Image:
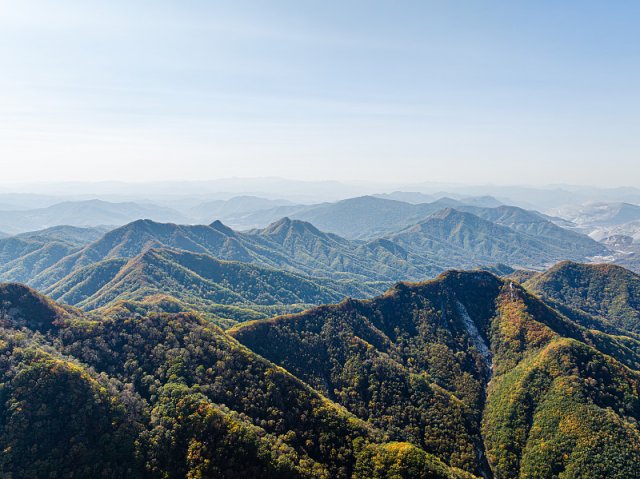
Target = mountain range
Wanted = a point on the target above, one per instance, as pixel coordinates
(299, 348)
(84, 214)
(87, 261)
(464, 376)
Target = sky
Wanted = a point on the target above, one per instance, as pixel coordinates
(478, 92)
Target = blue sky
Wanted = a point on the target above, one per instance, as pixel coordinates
(458, 91)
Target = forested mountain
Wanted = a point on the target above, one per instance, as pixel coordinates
(556, 238)
(371, 217)
(464, 376)
(464, 240)
(606, 291)
(170, 396)
(475, 370)
(445, 239)
(24, 256)
(224, 291)
(314, 253)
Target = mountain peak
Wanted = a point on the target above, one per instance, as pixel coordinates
(448, 214)
(222, 228)
(286, 226)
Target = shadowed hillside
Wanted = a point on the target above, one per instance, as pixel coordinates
(496, 366)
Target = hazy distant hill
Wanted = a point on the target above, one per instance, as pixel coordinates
(237, 206)
(600, 214)
(560, 241)
(468, 240)
(486, 201)
(372, 217)
(84, 213)
(413, 197)
(73, 235)
(366, 216)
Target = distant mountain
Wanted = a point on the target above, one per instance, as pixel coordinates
(12, 248)
(372, 217)
(630, 229)
(447, 239)
(407, 197)
(30, 258)
(72, 235)
(237, 206)
(564, 243)
(485, 201)
(466, 241)
(134, 238)
(366, 217)
(287, 244)
(631, 260)
(609, 292)
(600, 214)
(221, 242)
(222, 289)
(83, 214)
(312, 250)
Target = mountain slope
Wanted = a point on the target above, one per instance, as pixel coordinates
(466, 240)
(562, 241)
(471, 342)
(292, 245)
(444, 240)
(222, 289)
(315, 251)
(173, 396)
(364, 217)
(606, 291)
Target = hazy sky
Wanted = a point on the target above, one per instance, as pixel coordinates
(478, 91)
